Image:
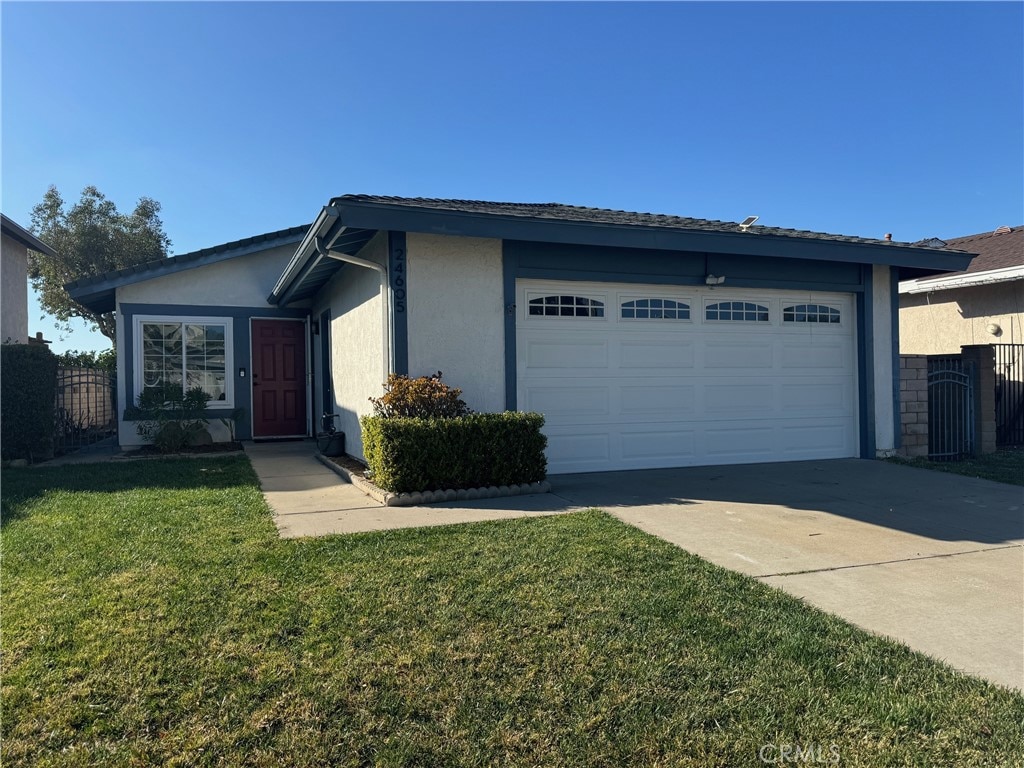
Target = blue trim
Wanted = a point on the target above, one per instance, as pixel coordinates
(327, 391)
(866, 364)
(240, 340)
(398, 281)
(544, 261)
(894, 309)
(509, 269)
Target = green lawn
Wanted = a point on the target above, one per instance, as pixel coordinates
(151, 616)
(1005, 466)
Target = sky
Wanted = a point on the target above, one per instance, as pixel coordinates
(244, 118)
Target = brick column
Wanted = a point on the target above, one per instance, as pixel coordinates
(984, 359)
(913, 405)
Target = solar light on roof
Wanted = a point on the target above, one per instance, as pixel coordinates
(747, 222)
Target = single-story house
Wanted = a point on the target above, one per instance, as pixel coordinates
(983, 304)
(645, 340)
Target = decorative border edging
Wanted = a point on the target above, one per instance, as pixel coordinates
(389, 499)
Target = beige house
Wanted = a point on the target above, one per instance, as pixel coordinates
(16, 243)
(984, 304)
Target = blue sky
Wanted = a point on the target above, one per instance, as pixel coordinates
(242, 118)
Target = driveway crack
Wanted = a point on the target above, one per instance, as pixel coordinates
(888, 562)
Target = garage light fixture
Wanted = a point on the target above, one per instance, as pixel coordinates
(714, 280)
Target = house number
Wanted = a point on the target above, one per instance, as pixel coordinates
(398, 278)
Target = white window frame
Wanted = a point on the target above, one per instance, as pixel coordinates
(784, 305)
(760, 302)
(229, 351)
(685, 300)
(576, 293)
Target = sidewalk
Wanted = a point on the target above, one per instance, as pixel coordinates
(308, 499)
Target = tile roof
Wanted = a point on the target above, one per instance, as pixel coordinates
(996, 250)
(585, 215)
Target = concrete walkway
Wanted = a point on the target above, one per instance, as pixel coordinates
(309, 499)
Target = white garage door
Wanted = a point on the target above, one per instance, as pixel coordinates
(632, 377)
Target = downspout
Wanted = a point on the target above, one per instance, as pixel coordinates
(326, 252)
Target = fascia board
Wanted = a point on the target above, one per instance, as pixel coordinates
(456, 223)
(930, 284)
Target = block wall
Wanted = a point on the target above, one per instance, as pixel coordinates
(913, 405)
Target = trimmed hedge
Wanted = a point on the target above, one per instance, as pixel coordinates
(474, 451)
(29, 376)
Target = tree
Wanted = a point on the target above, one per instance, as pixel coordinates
(90, 238)
(104, 361)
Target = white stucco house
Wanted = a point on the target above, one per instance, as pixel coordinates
(645, 340)
(15, 243)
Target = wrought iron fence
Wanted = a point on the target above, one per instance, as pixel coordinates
(950, 408)
(1009, 362)
(85, 410)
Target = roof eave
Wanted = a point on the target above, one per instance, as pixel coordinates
(390, 216)
(969, 280)
(14, 230)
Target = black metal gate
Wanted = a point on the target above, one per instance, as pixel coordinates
(950, 408)
(1009, 360)
(84, 411)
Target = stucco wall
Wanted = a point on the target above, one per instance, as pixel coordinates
(456, 315)
(941, 322)
(358, 366)
(882, 346)
(14, 299)
(245, 281)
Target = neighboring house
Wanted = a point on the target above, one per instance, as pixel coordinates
(646, 340)
(14, 248)
(983, 304)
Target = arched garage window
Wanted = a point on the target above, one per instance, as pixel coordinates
(566, 306)
(736, 311)
(810, 313)
(655, 309)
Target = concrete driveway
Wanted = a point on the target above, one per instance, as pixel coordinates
(934, 560)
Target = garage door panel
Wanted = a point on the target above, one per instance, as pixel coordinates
(820, 397)
(656, 355)
(659, 401)
(734, 400)
(646, 448)
(634, 393)
(570, 402)
(571, 354)
(579, 450)
(816, 439)
(739, 443)
(726, 354)
(815, 356)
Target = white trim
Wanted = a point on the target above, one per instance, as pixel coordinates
(229, 352)
(929, 284)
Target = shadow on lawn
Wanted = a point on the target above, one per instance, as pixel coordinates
(21, 486)
(932, 504)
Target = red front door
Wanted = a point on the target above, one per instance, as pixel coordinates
(278, 378)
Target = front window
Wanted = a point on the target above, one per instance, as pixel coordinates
(187, 353)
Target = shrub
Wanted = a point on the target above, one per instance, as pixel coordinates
(472, 451)
(169, 418)
(423, 397)
(27, 396)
